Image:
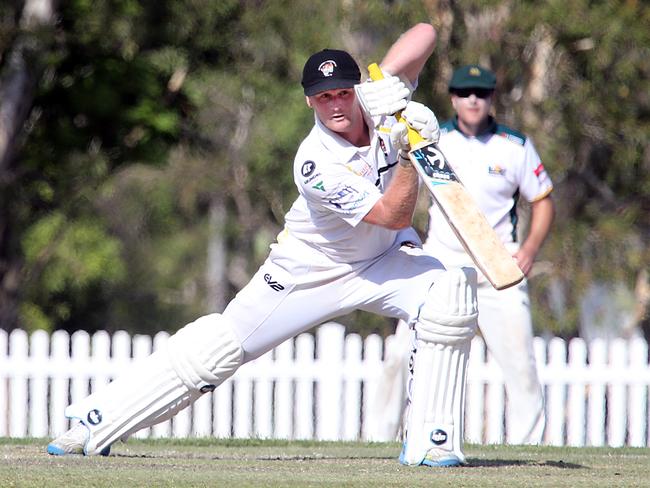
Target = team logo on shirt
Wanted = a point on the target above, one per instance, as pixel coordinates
(327, 67)
(496, 170)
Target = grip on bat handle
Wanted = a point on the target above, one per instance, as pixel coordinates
(414, 136)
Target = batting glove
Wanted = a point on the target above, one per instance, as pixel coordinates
(422, 119)
(399, 138)
(383, 97)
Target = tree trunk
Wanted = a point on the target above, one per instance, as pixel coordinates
(18, 83)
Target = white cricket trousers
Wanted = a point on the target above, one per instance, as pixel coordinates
(505, 323)
(298, 288)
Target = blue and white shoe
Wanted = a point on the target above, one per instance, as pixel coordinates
(436, 458)
(439, 458)
(72, 442)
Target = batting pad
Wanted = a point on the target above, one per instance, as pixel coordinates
(438, 368)
(436, 401)
(195, 360)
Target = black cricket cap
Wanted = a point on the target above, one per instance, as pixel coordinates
(472, 76)
(329, 69)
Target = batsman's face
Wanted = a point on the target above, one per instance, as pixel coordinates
(472, 110)
(337, 110)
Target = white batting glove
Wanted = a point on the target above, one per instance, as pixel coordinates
(399, 138)
(422, 119)
(383, 97)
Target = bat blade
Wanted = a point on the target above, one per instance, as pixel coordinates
(477, 236)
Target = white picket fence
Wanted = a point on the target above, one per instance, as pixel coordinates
(321, 386)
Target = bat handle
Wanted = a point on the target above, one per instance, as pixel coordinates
(414, 136)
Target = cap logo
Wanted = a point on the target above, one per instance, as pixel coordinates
(475, 72)
(327, 67)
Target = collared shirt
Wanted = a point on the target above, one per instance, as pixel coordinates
(339, 184)
(497, 168)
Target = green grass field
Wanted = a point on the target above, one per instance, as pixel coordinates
(244, 463)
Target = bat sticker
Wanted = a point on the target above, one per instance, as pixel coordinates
(434, 164)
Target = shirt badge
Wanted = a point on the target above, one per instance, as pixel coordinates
(496, 170)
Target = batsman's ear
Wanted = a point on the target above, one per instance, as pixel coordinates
(308, 101)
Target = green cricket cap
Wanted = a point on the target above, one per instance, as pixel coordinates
(473, 76)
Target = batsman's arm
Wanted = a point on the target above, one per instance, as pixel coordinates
(408, 55)
(395, 209)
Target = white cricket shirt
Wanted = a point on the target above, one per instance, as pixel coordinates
(497, 168)
(339, 184)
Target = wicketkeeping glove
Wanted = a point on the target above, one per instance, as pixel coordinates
(422, 119)
(383, 97)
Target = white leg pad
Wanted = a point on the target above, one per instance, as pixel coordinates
(196, 359)
(438, 368)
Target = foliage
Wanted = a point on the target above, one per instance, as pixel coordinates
(152, 115)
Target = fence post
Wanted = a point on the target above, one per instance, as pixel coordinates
(616, 409)
(60, 372)
(4, 379)
(263, 417)
(577, 395)
(638, 399)
(556, 396)
(371, 363)
(597, 390)
(330, 340)
(475, 403)
(18, 345)
(283, 403)
(162, 429)
(495, 401)
(80, 358)
(38, 358)
(142, 346)
(352, 388)
(304, 413)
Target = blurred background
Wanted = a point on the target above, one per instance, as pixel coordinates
(146, 147)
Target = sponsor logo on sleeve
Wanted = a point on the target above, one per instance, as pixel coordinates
(308, 168)
(348, 198)
(319, 186)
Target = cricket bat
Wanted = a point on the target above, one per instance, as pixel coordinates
(468, 222)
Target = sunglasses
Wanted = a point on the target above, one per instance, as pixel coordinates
(466, 92)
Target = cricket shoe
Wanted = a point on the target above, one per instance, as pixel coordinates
(72, 442)
(436, 458)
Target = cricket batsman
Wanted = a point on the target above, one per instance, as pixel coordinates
(347, 245)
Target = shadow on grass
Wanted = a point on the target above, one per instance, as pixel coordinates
(499, 463)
